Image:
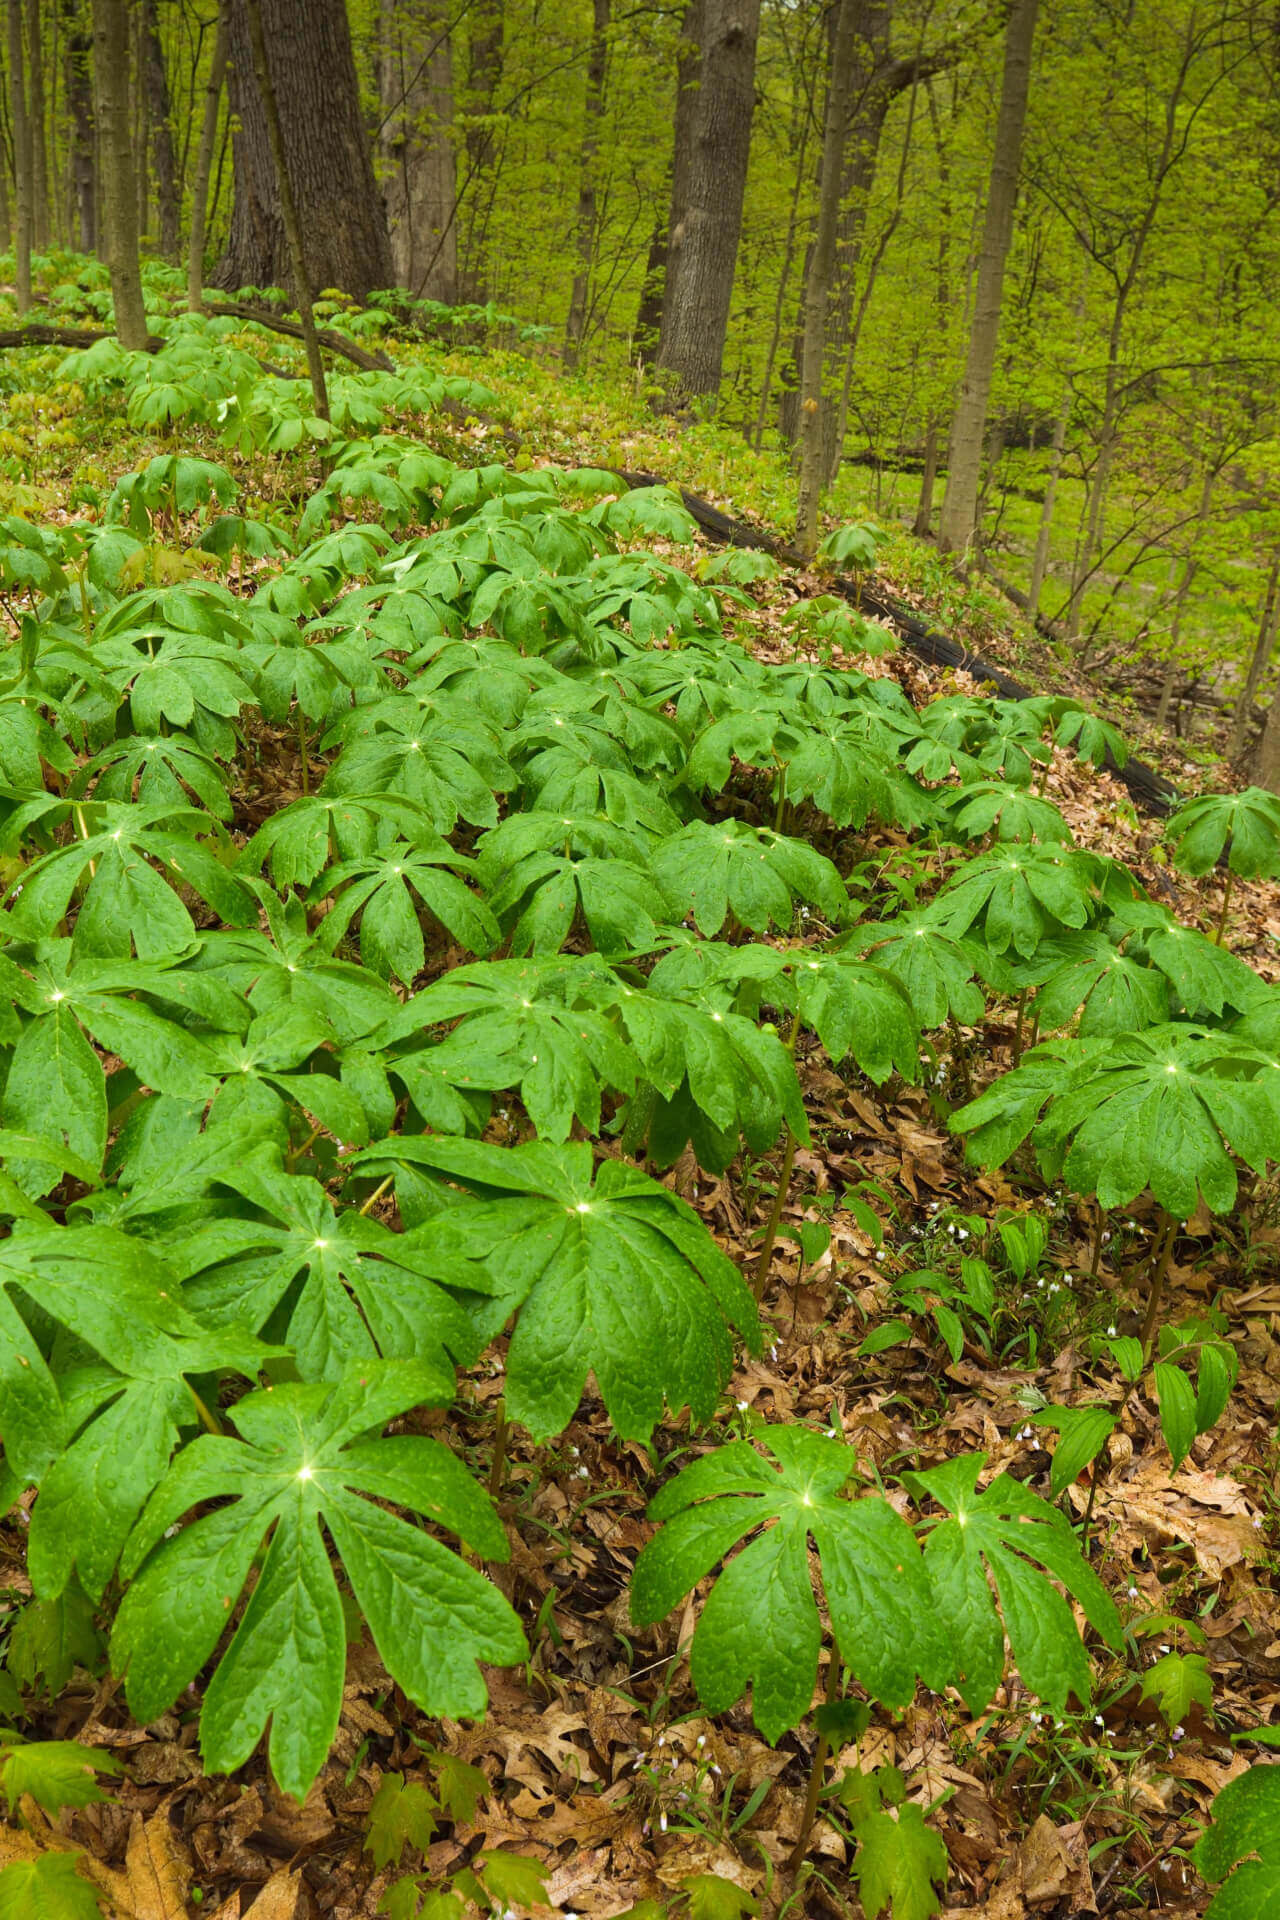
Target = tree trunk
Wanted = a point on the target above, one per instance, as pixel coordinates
(706, 204)
(585, 235)
(288, 205)
(36, 132)
(484, 71)
(818, 279)
(313, 77)
(163, 158)
(204, 164)
(1267, 624)
(119, 196)
(22, 170)
(421, 187)
(964, 452)
(648, 332)
(922, 525)
(1267, 767)
(1040, 559)
(81, 171)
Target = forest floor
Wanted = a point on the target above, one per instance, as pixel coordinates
(596, 1760)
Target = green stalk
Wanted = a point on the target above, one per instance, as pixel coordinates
(302, 752)
(1161, 1255)
(499, 1460)
(814, 1794)
(1017, 1030)
(960, 1055)
(781, 1190)
(1226, 906)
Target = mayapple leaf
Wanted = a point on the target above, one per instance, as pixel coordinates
(999, 1532)
(1246, 1823)
(710, 870)
(760, 1626)
(1245, 825)
(611, 1274)
(303, 1459)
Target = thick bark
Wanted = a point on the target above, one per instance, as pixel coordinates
(588, 152)
(36, 130)
(1267, 766)
(313, 76)
(22, 171)
(818, 279)
(288, 205)
(81, 167)
(648, 331)
(164, 163)
(204, 163)
(420, 187)
(964, 453)
(484, 71)
(707, 216)
(115, 159)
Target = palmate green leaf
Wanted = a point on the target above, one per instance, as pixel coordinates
(287, 970)
(447, 759)
(1245, 825)
(343, 1287)
(544, 895)
(50, 1886)
(712, 1066)
(900, 1861)
(97, 1438)
(711, 1897)
(1020, 895)
(1161, 1109)
(167, 770)
(938, 970)
(1243, 1842)
(760, 1626)
(56, 1773)
(389, 891)
(127, 906)
(999, 1533)
(28, 743)
(279, 1063)
(856, 1008)
(526, 1024)
(1110, 992)
(403, 1814)
(1095, 740)
(983, 805)
(303, 1459)
(1205, 978)
(300, 841)
(613, 1275)
(50, 1639)
(1177, 1682)
(711, 870)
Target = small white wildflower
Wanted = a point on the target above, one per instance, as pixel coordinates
(1177, 1733)
(741, 1405)
(1111, 1333)
(662, 1823)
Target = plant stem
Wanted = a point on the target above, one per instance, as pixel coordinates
(499, 1460)
(1096, 1258)
(377, 1194)
(1159, 1272)
(1226, 905)
(820, 1752)
(1017, 1030)
(780, 1191)
(780, 810)
(208, 1418)
(302, 753)
(959, 1054)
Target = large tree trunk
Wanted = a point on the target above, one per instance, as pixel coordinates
(706, 204)
(313, 76)
(421, 186)
(37, 133)
(817, 290)
(81, 172)
(964, 453)
(484, 71)
(115, 153)
(22, 171)
(1268, 622)
(204, 163)
(588, 152)
(648, 330)
(163, 158)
